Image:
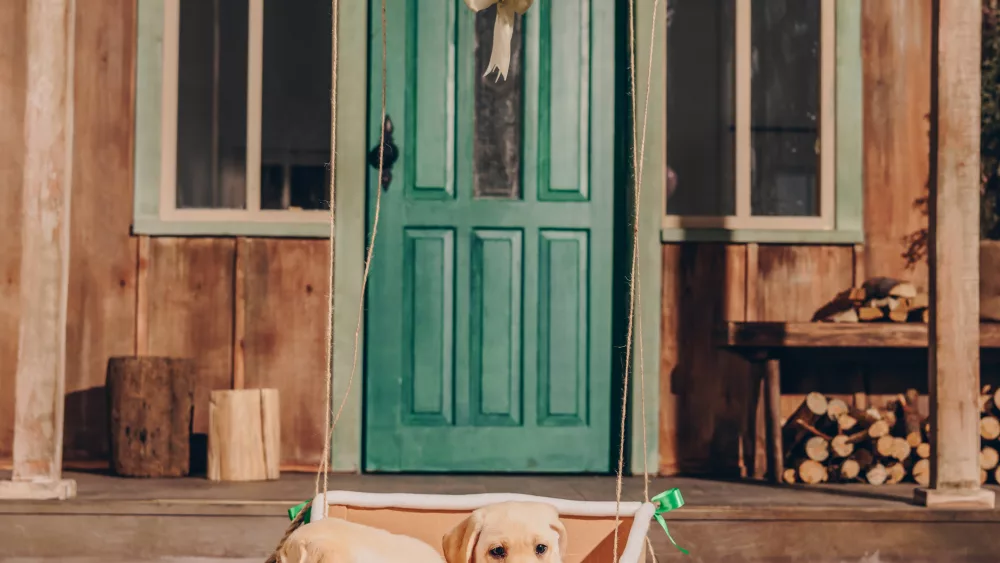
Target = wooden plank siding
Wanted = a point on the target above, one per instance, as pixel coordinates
(178, 295)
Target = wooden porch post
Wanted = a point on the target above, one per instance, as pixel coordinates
(954, 261)
(41, 360)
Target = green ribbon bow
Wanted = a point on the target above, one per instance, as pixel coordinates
(294, 511)
(665, 502)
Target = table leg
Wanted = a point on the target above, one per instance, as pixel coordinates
(772, 405)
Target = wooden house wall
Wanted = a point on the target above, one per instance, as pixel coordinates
(706, 393)
(252, 310)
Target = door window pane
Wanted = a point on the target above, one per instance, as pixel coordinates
(785, 101)
(700, 107)
(295, 128)
(212, 104)
(498, 114)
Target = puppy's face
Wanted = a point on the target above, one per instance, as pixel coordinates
(509, 532)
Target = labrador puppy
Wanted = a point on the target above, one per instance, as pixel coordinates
(508, 532)
(333, 540)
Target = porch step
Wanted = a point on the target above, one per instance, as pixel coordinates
(169, 532)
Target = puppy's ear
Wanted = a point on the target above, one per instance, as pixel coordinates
(560, 529)
(459, 542)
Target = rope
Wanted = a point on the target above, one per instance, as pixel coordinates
(324, 464)
(638, 154)
(368, 260)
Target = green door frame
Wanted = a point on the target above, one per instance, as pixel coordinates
(351, 237)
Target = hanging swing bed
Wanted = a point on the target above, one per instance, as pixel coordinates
(592, 529)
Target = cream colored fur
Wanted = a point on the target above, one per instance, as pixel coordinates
(333, 540)
(515, 529)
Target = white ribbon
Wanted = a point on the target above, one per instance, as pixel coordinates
(503, 31)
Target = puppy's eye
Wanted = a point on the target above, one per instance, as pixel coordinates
(541, 549)
(498, 552)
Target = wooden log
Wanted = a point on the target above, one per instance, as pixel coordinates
(840, 446)
(884, 446)
(910, 416)
(846, 422)
(244, 435)
(989, 428)
(811, 471)
(923, 450)
(869, 314)
(896, 472)
(996, 475)
(789, 476)
(864, 457)
(922, 472)
(900, 449)
(882, 287)
(848, 470)
(836, 408)
(989, 458)
(802, 423)
(876, 474)
(817, 448)
(996, 400)
(869, 425)
(151, 402)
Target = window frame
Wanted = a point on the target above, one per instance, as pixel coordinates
(841, 169)
(155, 211)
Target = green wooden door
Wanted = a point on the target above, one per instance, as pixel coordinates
(488, 328)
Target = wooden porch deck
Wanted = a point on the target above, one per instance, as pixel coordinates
(722, 521)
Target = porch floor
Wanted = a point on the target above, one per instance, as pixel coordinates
(146, 519)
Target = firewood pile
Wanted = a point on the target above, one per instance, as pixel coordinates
(827, 440)
(877, 300)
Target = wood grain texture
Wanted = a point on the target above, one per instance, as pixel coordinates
(150, 401)
(706, 396)
(286, 305)
(12, 79)
(244, 435)
(896, 54)
(794, 281)
(189, 310)
(954, 254)
(46, 186)
(763, 336)
(102, 290)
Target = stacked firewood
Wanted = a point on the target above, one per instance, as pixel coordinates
(989, 435)
(878, 299)
(827, 440)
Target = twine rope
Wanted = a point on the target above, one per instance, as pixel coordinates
(638, 154)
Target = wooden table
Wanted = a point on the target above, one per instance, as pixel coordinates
(762, 343)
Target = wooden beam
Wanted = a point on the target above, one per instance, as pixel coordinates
(954, 260)
(41, 361)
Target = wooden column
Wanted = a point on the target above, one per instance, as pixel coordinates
(954, 261)
(41, 361)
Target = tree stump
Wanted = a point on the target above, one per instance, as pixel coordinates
(244, 435)
(151, 401)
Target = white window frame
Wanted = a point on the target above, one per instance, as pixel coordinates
(742, 219)
(156, 211)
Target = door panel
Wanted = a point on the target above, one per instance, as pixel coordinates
(488, 328)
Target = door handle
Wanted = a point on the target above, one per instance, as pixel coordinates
(390, 152)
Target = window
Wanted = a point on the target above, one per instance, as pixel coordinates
(233, 117)
(763, 121)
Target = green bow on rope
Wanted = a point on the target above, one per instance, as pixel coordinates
(665, 502)
(294, 511)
